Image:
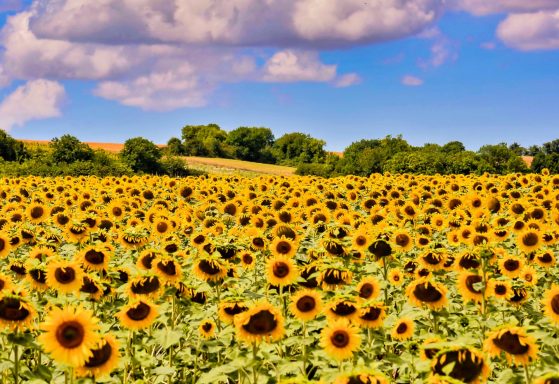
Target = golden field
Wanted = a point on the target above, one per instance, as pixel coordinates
(277, 279)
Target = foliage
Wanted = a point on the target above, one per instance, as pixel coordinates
(205, 140)
(252, 143)
(174, 166)
(294, 148)
(142, 155)
(501, 159)
(11, 149)
(175, 147)
(68, 149)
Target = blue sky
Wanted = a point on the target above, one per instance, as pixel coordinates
(468, 74)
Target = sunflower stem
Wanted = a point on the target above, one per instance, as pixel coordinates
(527, 377)
(305, 357)
(16, 364)
(254, 363)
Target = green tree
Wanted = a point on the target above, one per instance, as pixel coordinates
(501, 159)
(453, 147)
(296, 147)
(205, 140)
(251, 143)
(141, 155)
(12, 149)
(68, 149)
(175, 147)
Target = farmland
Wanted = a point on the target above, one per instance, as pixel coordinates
(280, 279)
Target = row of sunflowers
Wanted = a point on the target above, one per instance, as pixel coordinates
(386, 279)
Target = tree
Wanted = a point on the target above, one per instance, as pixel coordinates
(205, 140)
(12, 149)
(296, 147)
(68, 149)
(501, 159)
(251, 143)
(175, 147)
(141, 155)
(453, 147)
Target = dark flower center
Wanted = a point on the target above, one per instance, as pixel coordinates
(209, 267)
(371, 314)
(139, 312)
(89, 286)
(402, 240)
(94, 257)
(366, 290)
(344, 309)
(306, 304)
(510, 343)
(361, 241)
(545, 258)
(469, 262)
(340, 339)
(555, 304)
(380, 248)
(65, 275)
(145, 286)
(167, 267)
(38, 275)
(261, 323)
(333, 277)
(471, 280)
(206, 327)
(12, 310)
(247, 259)
(162, 227)
(530, 239)
(235, 309)
(280, 269)
(100, 356)
(511, 265)
(465, 367)
(70, 334)
(427, 293)
(500, 289)
(402, 328)
(37, 212)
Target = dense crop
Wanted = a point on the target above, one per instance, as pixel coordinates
(387, 279)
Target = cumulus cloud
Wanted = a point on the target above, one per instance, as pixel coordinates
(277, 23)
(487, 7)
(411, 81)
(531, 31)
(289, 66)
(37, 99)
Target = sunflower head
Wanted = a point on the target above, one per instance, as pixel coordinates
(263, 322)
(460, 363)
(104, 360)
(138, 314)
(424, 292)
(16, 312)
(306, 304)
(512, 341)
(207, 328)
(340, 339)
(403, 329)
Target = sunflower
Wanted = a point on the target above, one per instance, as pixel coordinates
(208, 269)
(306, 304)
(144, 286)
(402, 241)
(396, 277)
(36, 213)
(104, 360)
(362, 377)
(167, 269)
(501, 289)
(529, 240)
(465, 365)
(36, 275)
(64, 276)
(331, 278)
(360, 240)
(551, 303)
(5, 246)
(341, 308)
(283, 246)
(207, 328)
(161, 227)
(423, 291)
(511, 266)
(470, 286)
(371, 315)
(16, 312)
(263, 322)
(340, 340)
(281, 271)
(227, 310)
(5, 283)
(94, 257)
(514, 342)
(529, 275)
(368, 288)
(138, 314)
(70, 335)
(432, 259)
(403, 329)
(248, 260)
(92, 287)
(545, 259)
(519, 296)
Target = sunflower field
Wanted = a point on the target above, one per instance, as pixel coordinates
(226, 279)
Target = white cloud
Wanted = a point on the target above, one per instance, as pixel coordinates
(486, 7)
(531, 31)
(37, 99)
(411, 81)
(290, 65)
(443, 50)
(347, 80)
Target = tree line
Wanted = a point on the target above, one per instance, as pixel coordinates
(68, 156)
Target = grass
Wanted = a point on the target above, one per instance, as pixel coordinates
(231, 166)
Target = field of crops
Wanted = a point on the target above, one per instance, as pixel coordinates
(387, 279)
